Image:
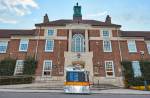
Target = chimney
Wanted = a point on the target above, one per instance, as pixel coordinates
(108, 19)
(46, 19)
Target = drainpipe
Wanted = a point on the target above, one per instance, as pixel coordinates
(37, 43)
(120, 52)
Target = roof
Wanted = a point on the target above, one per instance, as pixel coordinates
(6, 33)
(64, 22)
(145, 34)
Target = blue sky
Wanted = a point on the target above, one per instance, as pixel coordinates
(23, 14)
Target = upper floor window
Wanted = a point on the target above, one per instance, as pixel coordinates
(106, 33)
(49, 45)
(50, 32)
(132, 46)
(148, 47)
(136, 68)
(107, 46)
(109, 69)
(47, 68)
(23, 45)
(78, 44)
(3, 47)
(19, 67)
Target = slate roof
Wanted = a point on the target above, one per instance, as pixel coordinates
(64, 22)
(6, 33)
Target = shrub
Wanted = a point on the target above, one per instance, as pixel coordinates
(15, 80)
(30, 65)
(7, 67)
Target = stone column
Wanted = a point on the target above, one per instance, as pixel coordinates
(70, 40)
(86, 41)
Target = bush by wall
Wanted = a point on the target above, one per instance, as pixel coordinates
(130, 80)
(15, 80)
(7, 67)
(30, 65)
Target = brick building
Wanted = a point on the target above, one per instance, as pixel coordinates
(97, 46)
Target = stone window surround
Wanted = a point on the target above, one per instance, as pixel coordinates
(18, 67)
(113, 71)
(51, 62)
(4, 43)
(23, 41)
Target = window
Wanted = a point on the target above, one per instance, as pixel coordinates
(148, 47)
(23, 45)
(132, 46)
(109, 69)
(50, 32)
(106, 34)
(78, 44)
(3, 47)
(136, 68)
(49, 45)
(107, 46)
(19, 67)
(47, 68)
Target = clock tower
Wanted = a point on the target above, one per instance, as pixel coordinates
(77, 13)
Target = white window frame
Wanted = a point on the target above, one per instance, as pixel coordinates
(4, 43)
(132, 43)
(113, 71)
(23, 41)
(135, 73)
(148, 47)
(47, 70)
(104, 49)
(106, 29)
(51, 46)
(48, 31)
(16, 67)
(81, 43)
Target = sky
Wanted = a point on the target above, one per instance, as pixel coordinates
(133, 15)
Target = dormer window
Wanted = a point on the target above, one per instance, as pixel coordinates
(50, 32)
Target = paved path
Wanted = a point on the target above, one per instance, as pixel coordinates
(60, 95)
(110, 91)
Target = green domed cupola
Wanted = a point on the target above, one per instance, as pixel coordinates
(77, 12)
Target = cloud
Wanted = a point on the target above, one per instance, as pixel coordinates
(18, 7)
(96, 15)
(10, 21)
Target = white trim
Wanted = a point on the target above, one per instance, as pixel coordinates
(133, 44)
(25, 41)
(46, 32)
(46, 45)
(47, 70)
(148, 46)
(104, 50)
(113, 71)
(139, 74)
(109, 31)
(4, 43)
(16, 67)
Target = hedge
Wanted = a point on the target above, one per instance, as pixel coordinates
(30, 65)
(15, 80)
(130, 80)
(7, 67)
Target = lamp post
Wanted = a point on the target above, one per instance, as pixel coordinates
(142, 58)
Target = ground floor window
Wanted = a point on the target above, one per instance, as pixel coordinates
(136, 68)
(19, 67)
(47, 68)
(109, 69)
